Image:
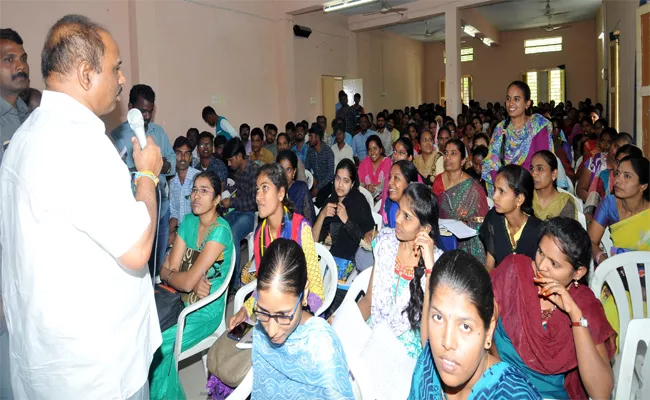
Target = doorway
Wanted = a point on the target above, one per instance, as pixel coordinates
(331, 87)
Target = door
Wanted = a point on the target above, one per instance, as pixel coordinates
(643, 78)
(331, 87)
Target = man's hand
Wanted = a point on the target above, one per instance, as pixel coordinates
(149, 158)
(166, 167)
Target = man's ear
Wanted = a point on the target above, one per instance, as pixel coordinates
(86, 75)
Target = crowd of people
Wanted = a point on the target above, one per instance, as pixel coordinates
(505, 171)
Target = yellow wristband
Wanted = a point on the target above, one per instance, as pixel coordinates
(148, 174)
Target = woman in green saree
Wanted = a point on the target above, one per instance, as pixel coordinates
(548, 202)
(198, 265)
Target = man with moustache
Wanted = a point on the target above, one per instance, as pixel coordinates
(14, 79)
(180, 187)
(143, 98)
(80, 307)
(300, 147)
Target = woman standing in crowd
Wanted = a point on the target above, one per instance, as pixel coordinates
(298, 190)
(462, 318)
(405, 255)
(346, 229)
(460, 197)
(518, 137)
(429, 162)
(204, 248)
(511, 226)
(374, 169)
(552, 327)
(548, 202)
(279, 220)
(295, 355)
(402, 174)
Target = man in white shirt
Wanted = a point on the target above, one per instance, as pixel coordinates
(78, 295)
(384, 134)
(340, 148)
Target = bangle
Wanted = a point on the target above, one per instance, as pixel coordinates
(598, 257)
(148, 174)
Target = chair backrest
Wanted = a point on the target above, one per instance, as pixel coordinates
(578, 202)
(329, 272)
(310, 178)
(576, 166)
(606, 241)
(490, 202)
(360, 283)
(582, 219)
(571, 188)
(637, 333)
(368, 196)
(379, 221)
(608, 272)
(377, 206)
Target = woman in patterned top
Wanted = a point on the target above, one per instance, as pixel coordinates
(516, 139)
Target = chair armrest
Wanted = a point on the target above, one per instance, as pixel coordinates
(241, 294)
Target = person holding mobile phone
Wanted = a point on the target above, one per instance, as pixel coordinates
(295, 355)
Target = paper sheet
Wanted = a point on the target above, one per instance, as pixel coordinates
(351, 328)
(458, 228)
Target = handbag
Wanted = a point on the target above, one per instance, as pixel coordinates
(169, 305)
(227, 362)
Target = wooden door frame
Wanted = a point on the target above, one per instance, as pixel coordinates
(643, 91)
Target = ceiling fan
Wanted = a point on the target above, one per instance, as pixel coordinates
(386, 8)
(549, 14)
(550, 28)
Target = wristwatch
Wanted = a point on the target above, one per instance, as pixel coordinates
(582, 323)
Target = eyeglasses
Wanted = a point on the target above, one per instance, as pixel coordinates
(279, 319)
(204, 192)
(401, 153)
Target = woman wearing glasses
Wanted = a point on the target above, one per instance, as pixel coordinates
(197, 265)
(295, 355)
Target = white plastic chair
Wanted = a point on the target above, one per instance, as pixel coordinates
(606, 241)
(377, 206)
(329, 273)
(637, 333)
(576, 166)
(368, 196)
(582, 219)
(379, 221)
(490, 203)
(578, 201)
(360, 283)
(607, 272)
(310, 178)
(250, 242)
(206, 343)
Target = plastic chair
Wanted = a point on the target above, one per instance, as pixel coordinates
(368, 196)
(637, 333)
(606, 242)
(578, 202)
(571, 188)
(360, 283)
(310, 178)
(582, 219)
(607, 272)
(206, 343)
(377, 206)
(250, 242)
(379, 221)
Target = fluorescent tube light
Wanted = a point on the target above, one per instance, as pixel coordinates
(470, 30)
(340, 5)
(487, 41)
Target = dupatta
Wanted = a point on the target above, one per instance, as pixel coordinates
(549, 350)
(632, 233)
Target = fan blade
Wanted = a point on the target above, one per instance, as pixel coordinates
(371, 13)
(399, 9)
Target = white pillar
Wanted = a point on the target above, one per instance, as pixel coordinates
(452, 68)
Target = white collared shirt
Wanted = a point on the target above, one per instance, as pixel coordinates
(345, 152)
(81, 326)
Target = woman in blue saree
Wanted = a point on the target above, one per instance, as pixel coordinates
(295, 355)
(298, 190)
(460, 324)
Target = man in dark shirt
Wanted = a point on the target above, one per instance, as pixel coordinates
(347, 114)
(320, 160)
(207, 161)
(241, 206)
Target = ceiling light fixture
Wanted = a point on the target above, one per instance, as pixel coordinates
(343, 4)
(487, 41)
(470, 30)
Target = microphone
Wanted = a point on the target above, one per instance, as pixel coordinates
(136, 122)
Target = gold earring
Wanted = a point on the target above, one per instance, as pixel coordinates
(575, 283)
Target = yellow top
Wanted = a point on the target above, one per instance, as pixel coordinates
(265, 156)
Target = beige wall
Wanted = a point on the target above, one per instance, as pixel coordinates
(494, 68)
(244, 53)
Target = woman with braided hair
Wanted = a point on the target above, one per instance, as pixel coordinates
(405, 257)
(516, 139)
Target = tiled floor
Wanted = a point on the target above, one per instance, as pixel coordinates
(192, 374)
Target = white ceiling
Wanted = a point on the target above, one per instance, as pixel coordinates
(504, 16)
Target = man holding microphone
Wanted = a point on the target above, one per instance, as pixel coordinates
(77, 294)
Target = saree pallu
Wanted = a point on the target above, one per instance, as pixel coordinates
(500, 381)
(601, 186)
(563, 205)
(310, 364)
(464, 202)
(430, 168)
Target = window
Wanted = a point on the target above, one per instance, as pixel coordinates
(545, 45)
(556, 85)
(467, 90)
(531, 80)
(466, 54)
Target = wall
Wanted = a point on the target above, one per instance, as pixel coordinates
(494, 68)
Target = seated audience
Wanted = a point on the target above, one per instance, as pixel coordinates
(562, 148)
(180, 187)
(347, 137)
(300, 147)
(208, 162)
(396, 291)
(284, 144)
(219, 144)
(270, 132)
(510, 227)
(429, 162)
(347, 114)
(259, 153)
(444, 135)
(244, 135)
(402, 173)
(592, 167)
(359, 140)
(460, 197)
(220, 124)
(197, 266)
(589, 146)
(280, 220)
(345, 229)
(241, 205)
(390, 125)
(548, 202)
(298, 191)
(340, 146)
(320, 161)
(518, 137)
(295, 354)
(374, 169)
(481, 139)
(474, 165)
(385, 135)
(462, 317)
(192, 136)
(412, 132)
(551, 326)
(594, 196)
